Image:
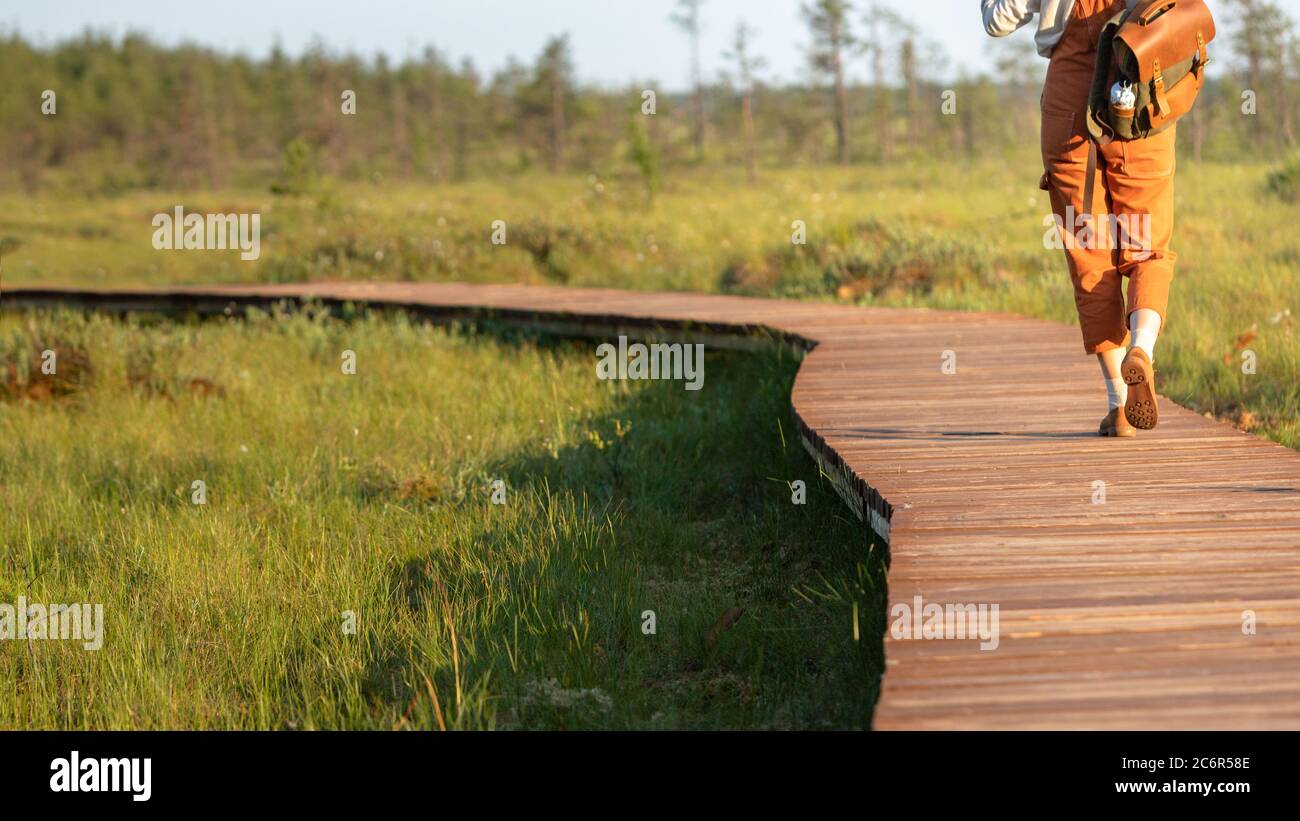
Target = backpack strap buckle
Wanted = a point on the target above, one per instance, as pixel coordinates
(1159, 99)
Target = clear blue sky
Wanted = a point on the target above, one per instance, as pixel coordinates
(614, 41)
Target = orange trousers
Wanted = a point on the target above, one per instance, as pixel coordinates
(1129, 236)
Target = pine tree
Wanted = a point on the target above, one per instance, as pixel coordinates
(828, 22)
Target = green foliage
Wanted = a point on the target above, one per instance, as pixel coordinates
(642, 154)
(1284, 183)
(298, 170)
(46, 363)
(867, 260)
(134, 114)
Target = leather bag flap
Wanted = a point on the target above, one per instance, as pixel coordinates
(1168, 31)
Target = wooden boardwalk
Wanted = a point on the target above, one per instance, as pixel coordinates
(1122, 614)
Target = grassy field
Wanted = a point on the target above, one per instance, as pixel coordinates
(947, 235)
(371, 493)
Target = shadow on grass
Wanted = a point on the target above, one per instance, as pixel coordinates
(684, 512)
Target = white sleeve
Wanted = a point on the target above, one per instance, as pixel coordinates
(1002, 17)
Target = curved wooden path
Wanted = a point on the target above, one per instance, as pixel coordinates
(1122, 614)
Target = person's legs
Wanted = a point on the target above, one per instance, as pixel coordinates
(1094, 266)
(1141, 185)
(1098, 285)
(1116, 389)
(1116, 421)
(1144, 323)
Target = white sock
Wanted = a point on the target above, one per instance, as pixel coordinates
(1116, 392)
(1145, 325)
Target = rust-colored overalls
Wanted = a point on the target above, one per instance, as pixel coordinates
(1135, 182)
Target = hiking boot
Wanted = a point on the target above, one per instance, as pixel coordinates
(1141, 380)
(1116, 425)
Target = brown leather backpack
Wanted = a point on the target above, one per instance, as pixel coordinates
(1159, 48)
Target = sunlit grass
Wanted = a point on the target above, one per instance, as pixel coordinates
(950, 234)
(371, 493)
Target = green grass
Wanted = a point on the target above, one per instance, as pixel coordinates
(954, 235)
(371, 493)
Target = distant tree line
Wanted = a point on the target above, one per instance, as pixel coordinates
(130, 113)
